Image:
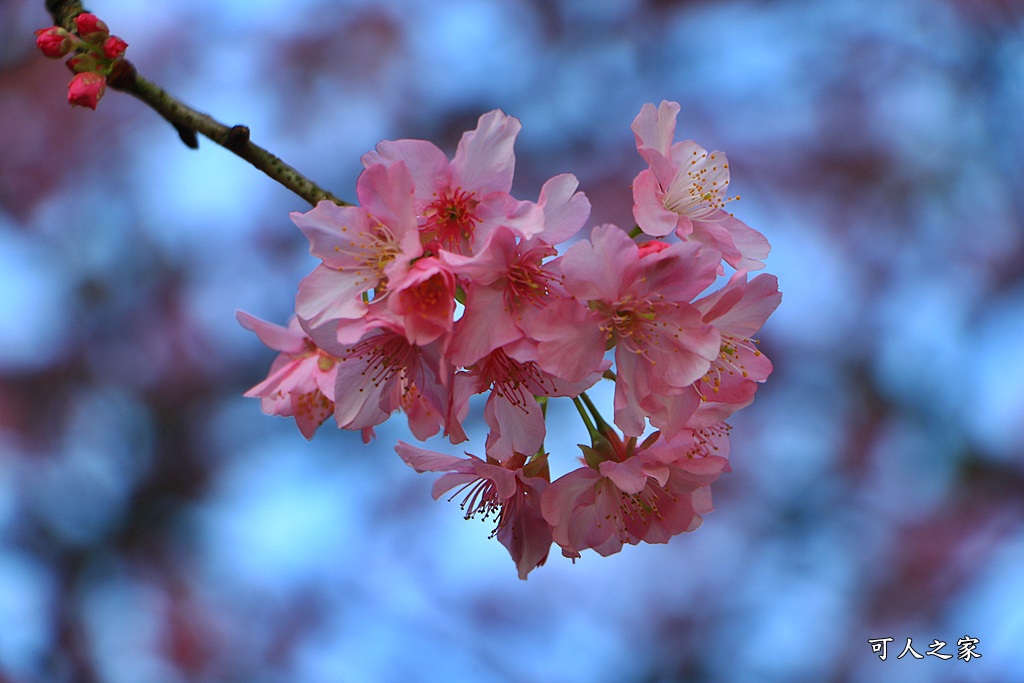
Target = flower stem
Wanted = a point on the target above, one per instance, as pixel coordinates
(586, 419)
(602, 426)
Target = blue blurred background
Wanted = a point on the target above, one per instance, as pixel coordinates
(155, 526)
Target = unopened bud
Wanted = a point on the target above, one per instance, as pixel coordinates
(54, 41)
(91, 28)
(83, 62)
(114, 47)
(86, 89)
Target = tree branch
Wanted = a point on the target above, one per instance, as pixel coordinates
(188, 122)
(64, 13)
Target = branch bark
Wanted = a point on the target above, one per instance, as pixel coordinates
(189, 122)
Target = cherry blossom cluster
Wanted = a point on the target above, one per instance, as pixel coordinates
(94, 55)
(441, 285)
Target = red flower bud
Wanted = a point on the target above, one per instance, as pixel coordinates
(91, 28)
(113, 47)
(54, 41)
(86, 89)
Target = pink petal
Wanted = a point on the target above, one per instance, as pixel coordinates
(333, 231)
(649, 208)
(423, 460)
(310, 412)
(678, 273)
(428, 166)
(760, 299)
(655, 128)
(740, 308)
(387, 193)
(628, 476)
(671, 414)
(564, 212)
(360, 400)
(484, 326)
(682, 350)
(488, 264)
(484, 161)
(514, 428)
(327, 294)
(749, 242)
(446, 482)
(719, 302)
(527, 536)
(596, 269)
(500, 209)
(273, 336)
(571, 343)
(630, 386)
(425, 300)
(701, 471)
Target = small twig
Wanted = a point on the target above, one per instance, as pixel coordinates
(188, 122)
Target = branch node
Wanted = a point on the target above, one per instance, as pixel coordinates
(238, 137)
(187, 135)
(122, 75)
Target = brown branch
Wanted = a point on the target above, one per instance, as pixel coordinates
(64, 13)
(188, 122)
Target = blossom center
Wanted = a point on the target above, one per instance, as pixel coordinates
(428, 295)
(371, 251)
(481, 498)
(512, 380)
(630, 322)
(729, 360)
(699, 187)
(706, 440)
(526, 284)
(452, 219)
(386, 356)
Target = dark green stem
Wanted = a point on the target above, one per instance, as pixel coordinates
(602, 426)
(594, 434)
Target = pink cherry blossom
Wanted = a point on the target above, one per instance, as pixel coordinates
(738, 310)
(685, 189)
(460, 202)
(509, 491)
(508, 279)
(503, 282)
(642, 306)
(629, 493)
(301, 379)
(376, 331)
(361, 247)
(384, 372)
(425, 300)
(514, 379)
